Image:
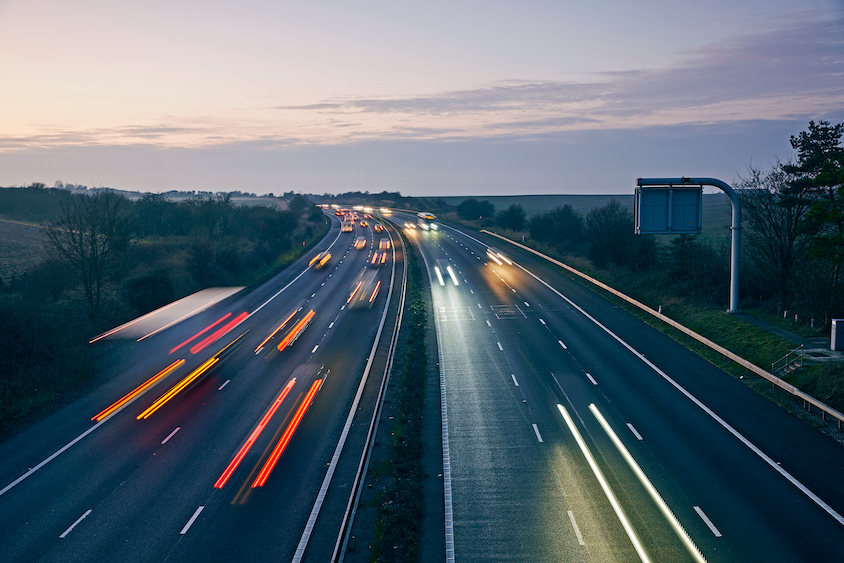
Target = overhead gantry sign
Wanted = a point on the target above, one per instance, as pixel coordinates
(674, 206)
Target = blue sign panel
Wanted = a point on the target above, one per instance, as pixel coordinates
(669, 210)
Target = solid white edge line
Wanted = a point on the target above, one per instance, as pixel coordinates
(51, 458)
(707, 521)
(592, 379)
(805, 490)
(173, 433)
(635, 433)
(448, 507)
(538, 435)
(191, 521)
(619, 511)
(72, 526)
(652, 492)
(514, 379)
(576, 529)
(341, 442)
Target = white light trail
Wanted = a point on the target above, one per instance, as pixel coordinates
(663, 507)
(451, 273)
(619, 512)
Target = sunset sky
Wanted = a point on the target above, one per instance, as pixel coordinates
(425, 98)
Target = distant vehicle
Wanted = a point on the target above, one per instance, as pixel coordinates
(409, 225)
(320, 260)
(379, 258)
(378, 227)
(497, 256)
(384, 244)
(364, 224)
(364, 290)
(426, 221)
(348, 226)
(385, 211)
(360, 242)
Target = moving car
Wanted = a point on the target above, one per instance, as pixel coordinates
(364, 290)
(379, 258)
(360, 242)
(320, 260)
(497, 256)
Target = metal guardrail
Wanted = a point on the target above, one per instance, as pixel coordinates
(793, 358)
(807, 399)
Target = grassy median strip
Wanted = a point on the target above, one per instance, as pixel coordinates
(401, 503)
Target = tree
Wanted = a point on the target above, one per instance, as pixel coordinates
(471, 209)
(609, 231)
(513, 218)
(562, 227)
(774, 243)
(299, 203)
(819, 173)
(92, 236)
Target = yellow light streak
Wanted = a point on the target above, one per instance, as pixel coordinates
(281, 326)
(138, 391)
(178, 388)
(296, 331)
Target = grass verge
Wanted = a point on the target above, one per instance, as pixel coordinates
(401, 503)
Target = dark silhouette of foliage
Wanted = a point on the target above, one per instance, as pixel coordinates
(819, 173)
(513, 218)
(609, 232)
(471, 209)
(561, 227)
(775, 247)
(92, 236)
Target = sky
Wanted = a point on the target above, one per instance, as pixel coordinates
(424, 98)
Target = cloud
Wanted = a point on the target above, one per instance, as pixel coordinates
(755, 76)
(792, 73)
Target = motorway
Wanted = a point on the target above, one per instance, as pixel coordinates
(572, 431)
(228, 444)
(550, 389)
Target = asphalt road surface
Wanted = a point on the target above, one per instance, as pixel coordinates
(233, 466)
(532, 362)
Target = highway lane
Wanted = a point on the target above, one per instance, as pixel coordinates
(507, 504)
(132, 489)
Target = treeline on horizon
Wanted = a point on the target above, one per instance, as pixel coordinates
(792, 239)
(110, 259)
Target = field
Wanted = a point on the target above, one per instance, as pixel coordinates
(20, 248)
